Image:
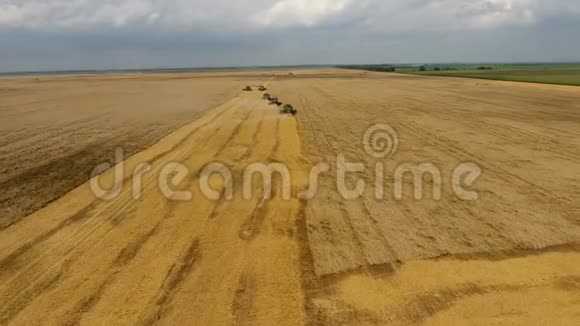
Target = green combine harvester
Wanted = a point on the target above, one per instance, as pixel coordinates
(262, 88)
(288, 109)
(266, 97)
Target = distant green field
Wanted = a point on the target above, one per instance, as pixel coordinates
(565, 74)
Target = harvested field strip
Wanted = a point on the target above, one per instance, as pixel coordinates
(79, 271)
(55, 130)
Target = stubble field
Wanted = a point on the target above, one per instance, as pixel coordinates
(55, 130)
(510, 257)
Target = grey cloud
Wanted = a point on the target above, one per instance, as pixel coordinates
(281, 13)
(105, 34)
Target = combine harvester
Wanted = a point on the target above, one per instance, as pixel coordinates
(287, 109)
(275, 101)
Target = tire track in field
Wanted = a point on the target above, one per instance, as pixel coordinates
(228, 106)
(247, 154)
(251, 227)
(26, 296)
(234, 134)
(176, 276)
(8, 261)
(243, 303)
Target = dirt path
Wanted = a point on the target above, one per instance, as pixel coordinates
(159, 261)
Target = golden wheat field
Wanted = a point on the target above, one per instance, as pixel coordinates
(509, 256)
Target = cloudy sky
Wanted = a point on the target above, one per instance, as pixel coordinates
(115, 34)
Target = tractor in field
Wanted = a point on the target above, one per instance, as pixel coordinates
(266, 97)
(248, 89)
(262, 88)
(275, 101)
(288, 109)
